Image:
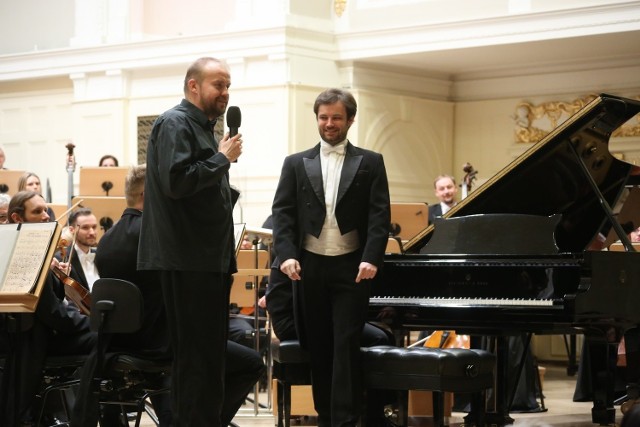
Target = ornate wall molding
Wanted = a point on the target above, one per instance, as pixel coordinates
(533, 122)
(339, 6)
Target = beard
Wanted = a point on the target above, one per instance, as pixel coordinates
(333, 137)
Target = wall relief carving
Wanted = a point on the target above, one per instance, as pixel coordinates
(339, 6)
(533, 122)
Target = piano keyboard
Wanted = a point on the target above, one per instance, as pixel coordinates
(461, 302)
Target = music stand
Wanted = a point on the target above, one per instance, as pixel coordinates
(107, 210)
(243, 289)
(102, 181)
(261, 267)
(238, 233)
(10, 178)
(619, 247)
(28, 264)
(408, 219)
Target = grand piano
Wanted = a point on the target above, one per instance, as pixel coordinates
(512, 257)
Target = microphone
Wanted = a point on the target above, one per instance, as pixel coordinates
(234, 118)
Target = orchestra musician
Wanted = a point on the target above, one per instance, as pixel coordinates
(116, 258)
(446, 190)
(84, 226)
(29, 181)
(58, 329)
(331, 216)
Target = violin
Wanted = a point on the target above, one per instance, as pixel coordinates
(447, 339)
(74, 291)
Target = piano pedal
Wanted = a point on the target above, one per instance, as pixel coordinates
(392, 416)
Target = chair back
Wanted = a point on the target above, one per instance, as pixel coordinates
(116, 306)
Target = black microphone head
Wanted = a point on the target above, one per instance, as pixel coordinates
(234, 117)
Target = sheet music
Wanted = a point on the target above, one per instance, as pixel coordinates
(28, 255)
(238, 231)
(8, 236)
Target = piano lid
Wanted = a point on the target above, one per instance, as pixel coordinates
(548, 178)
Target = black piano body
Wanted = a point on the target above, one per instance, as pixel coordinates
(512, 258)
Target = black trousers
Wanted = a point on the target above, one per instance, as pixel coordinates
(334, 309)
(197, 305)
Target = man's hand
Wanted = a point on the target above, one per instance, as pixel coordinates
(366, 271)
(231, 147)
(291, 268)
(262, 302)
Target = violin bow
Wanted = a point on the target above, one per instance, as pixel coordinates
(73, 245)
(65, 213)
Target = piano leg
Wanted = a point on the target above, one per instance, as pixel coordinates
(632, 371)
(603, 354)
(499, 416)
(570, 344)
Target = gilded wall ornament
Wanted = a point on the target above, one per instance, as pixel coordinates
(339, 6)
(533, 122)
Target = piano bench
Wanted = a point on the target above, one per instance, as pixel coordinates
(290, 367)
(437, 370)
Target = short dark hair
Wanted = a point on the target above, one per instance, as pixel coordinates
(331, 96)
(18, 200)
(73, 216)
(108, 156)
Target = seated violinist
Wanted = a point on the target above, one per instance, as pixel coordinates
(83, 233)
(56, 330)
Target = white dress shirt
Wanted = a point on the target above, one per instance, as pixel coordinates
(331, 242)
(88, 265)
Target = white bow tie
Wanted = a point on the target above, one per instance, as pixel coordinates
(338, 149)
(90, 257)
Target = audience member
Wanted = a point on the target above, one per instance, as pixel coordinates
(445, 189)
(108, 161)
(4, 207)
(2, 158)
(29, 181)
(57, 329)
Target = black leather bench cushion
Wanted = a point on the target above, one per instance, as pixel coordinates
(130, 362)
(288, 352)
(421, 368)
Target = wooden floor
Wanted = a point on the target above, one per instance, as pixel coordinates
(558, 392)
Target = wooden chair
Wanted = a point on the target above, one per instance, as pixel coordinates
(394, 246)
